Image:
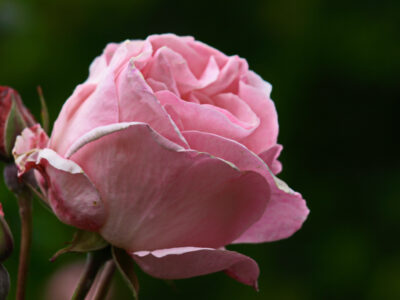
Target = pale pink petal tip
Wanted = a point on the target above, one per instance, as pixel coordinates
(286, 210)
(72, 196)
(186, 262)
(270, 157)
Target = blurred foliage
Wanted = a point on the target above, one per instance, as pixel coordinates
(335, 69)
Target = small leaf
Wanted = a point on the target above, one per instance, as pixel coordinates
(125, 265)
(83, 241)
(44, 110)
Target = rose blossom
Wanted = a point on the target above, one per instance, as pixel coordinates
(168, 151)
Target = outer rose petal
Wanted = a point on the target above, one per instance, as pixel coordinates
(270, 157)
(115, 56)
(98, 67)
(91, 105)
(286, 211)
(71, 195)
(185, 262)
(31, 138)
(137, 103)
(256, 93)
(158, 195)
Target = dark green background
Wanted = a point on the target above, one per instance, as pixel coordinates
(334, 66)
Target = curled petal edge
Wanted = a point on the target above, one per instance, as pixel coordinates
(170, 155)
(186, 262)
(70, 193)
(285, 212)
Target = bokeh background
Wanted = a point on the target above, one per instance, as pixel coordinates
(334, 66)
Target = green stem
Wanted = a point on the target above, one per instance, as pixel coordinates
(25, 211)
(94, 261)
(105, 280)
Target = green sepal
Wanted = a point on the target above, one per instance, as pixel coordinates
(125, 265)
(6, 240)
(14, 125)
(82, 241)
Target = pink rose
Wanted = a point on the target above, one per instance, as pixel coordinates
(168, 151)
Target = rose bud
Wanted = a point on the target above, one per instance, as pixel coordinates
(14, 117)
(169, 151)
(6, 238)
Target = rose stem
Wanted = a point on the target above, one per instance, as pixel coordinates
(25, 212)
(105, 281)
(94, 261)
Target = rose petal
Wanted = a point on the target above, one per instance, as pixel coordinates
(270, 157)
(204, 117)
(156, 85)
(95, 103)
(135, 51)
(115, 56)
(237, 107)
(100, 64)
(71, 195)
(197, 54)
(228, 77)
(170, 67)
(199, 98)
(186, 262)
(256, 93)
(137, 103)
(160, 196)
(30, 138)
(90, 106)
(285, 212)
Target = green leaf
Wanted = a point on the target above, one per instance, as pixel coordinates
(83, 241)
(125, 265)
(14, 125)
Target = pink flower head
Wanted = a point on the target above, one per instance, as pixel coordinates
(169, 151)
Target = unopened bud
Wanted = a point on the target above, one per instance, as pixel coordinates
(14, 117)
